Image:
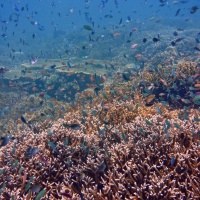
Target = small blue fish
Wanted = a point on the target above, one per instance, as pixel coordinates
(141, 130)
(16, 7)
(116, 3)
(102, 4)
(136, 107)
(124, 137)
(129, 19)
(148, 122)
(102, 167)
(167, 125)
(40, 27)
(1, 171)
(27, 187)
(158, 111)
(5, 140)
(196, 119)
(164, 103)
(35, 188)
(101, 131)
(69, 65)
(94, 112)
(31, 151)
(147, 91)
(173, 73)
(40, 195)
(172, 161)
(72, 126)
(53, 146)
(191, 80)
(66, 142)
(177, 126)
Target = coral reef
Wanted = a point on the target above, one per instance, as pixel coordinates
(118, 151)
(176, 84)
(134, 138)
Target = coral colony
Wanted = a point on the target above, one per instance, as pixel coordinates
(135, 139)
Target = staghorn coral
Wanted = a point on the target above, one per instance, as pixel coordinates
(123, 159)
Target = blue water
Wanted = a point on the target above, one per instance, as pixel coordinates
(43, 17)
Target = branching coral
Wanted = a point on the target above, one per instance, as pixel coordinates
(137, 158)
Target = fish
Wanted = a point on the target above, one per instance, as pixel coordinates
(41, 27)
(197, 48)
(5, 140)
(179, 39)
(116, 34)
(116, 3)
(173, 43)
(53, 66)
(125, 77)
(196, 100)
(164, 82)
(144, 40)
(112, 66)
(175, 33)
(3, 70)
(72, 126)
(158, 111)
(4, 35)
(16, 7)
(31, 151)
(5, 21)
(167, 124)
(23, 120)
(35, 188)
(156, 39)
(172, 161)
(124, 137)
(128, 19)
(197, 40)
(133, 46)
(177, 12)
(177, 126)
(53, 146)
(69, 64)
(175, 2)
(101, 131)
(102, 167)
(194, 9)
(186, 101)
(148, 122)
(97, 89)
(120, 21)
(40, 195)
(88, 28)
(180, 29)
(150, 98)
